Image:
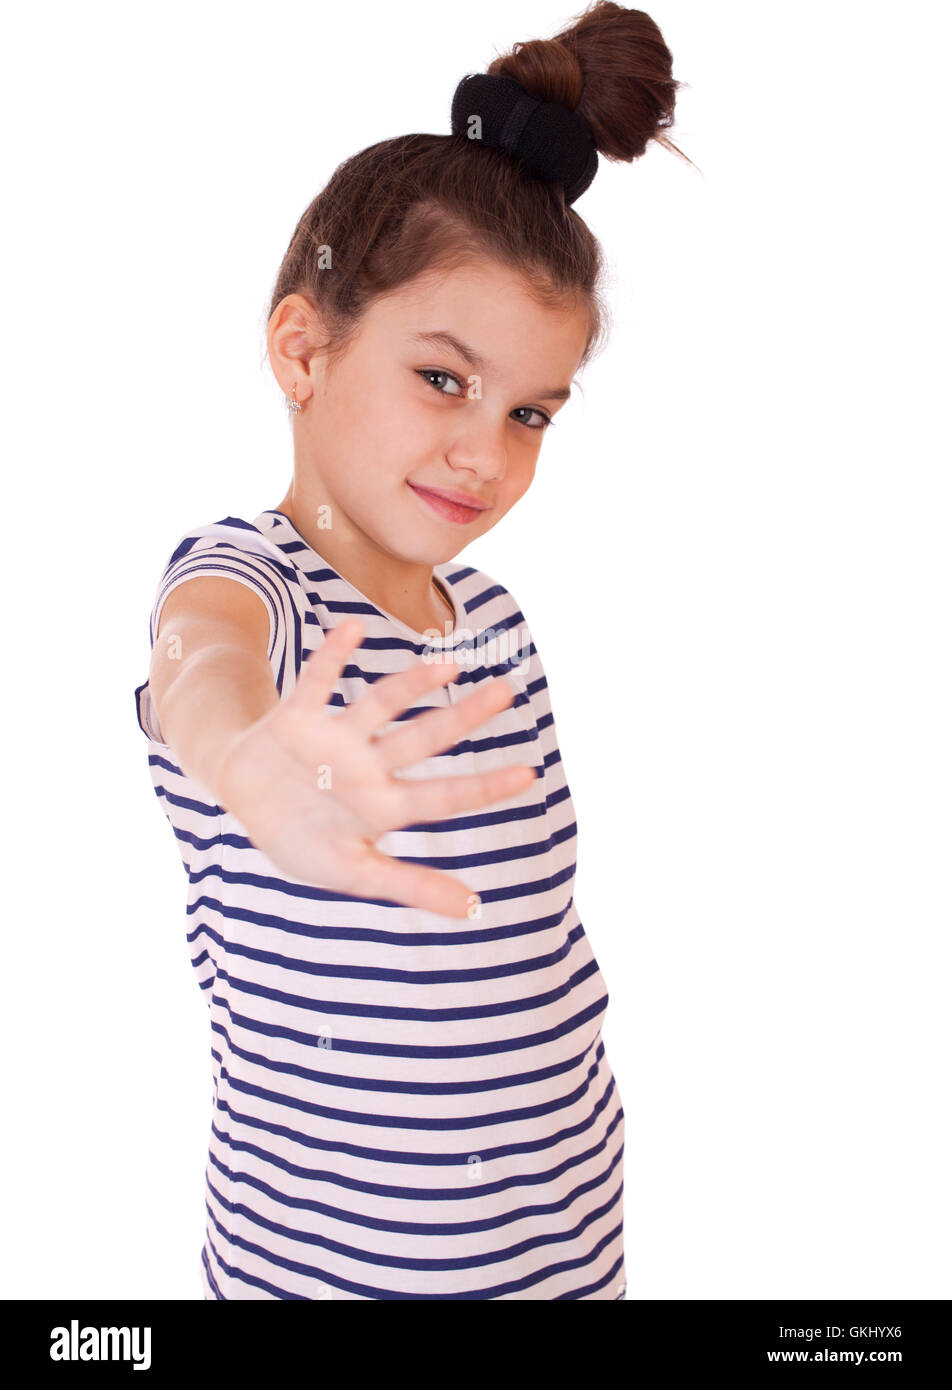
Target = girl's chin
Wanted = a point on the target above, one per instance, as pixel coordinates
(405, 538)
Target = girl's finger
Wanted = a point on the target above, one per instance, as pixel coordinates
(440, 729)
(413, 885)
(392, 694)
(321, 671)
(436, 798)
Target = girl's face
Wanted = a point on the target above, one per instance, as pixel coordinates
(406, 417)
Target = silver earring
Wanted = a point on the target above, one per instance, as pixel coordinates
(294, 405)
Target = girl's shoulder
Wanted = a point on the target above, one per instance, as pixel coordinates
(228, 533)
(488, 602)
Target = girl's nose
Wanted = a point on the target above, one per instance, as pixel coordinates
(482, 453)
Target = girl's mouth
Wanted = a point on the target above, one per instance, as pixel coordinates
(445, 507)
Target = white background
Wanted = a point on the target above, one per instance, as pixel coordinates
(735, 561)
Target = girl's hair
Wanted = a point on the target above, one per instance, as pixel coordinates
(418, 204)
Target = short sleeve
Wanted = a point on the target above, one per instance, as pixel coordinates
(231, 549)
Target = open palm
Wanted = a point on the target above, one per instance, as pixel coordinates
(315, 788)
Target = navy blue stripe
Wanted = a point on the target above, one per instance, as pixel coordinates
(321, 932)
(352, 1008)
(587, 1290)
(402, 1157)
(489, 895)
(511, 1183)
(503, 855)
(207, 560)
(210, 1276)
(419, 1228)
(539, 1178)
(502, 970)
(368, 1291)
(428, 1263)
(391, 1086)
(493, 1047)
(428, 1124)
(477, 820)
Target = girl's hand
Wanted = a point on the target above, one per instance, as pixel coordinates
(315, 790)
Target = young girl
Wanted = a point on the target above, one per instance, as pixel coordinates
(352, 738)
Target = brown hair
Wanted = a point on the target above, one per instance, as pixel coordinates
(422, 203)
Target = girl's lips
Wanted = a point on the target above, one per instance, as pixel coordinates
(447, 509)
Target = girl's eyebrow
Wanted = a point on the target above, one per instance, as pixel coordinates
(444, 338)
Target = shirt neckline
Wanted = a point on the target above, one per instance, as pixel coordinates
(459, 608)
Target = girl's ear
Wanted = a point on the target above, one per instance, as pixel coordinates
(295, 333)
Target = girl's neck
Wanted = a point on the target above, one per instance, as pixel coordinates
(406, 590)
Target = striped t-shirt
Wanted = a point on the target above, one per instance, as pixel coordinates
(405, 1105)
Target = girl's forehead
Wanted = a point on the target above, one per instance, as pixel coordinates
(479, 306)
(474, 277)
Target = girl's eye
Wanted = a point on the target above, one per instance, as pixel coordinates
(546, 419)
(436, 371)
(426, 372)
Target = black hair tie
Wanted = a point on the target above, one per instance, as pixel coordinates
(554, 143)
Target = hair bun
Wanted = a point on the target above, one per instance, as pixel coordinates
(612, 68)
(555, 143)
